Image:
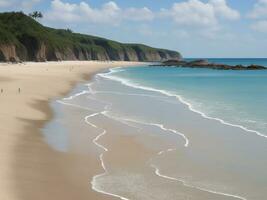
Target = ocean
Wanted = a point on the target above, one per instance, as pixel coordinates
(236, 97)
(191, 133)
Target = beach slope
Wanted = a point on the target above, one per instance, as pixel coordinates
(29, 168)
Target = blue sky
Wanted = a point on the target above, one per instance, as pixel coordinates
(196, 28)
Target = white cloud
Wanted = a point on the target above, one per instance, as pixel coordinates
(29, 4)
(15, 4)
(192, 13)
(223, 10)
(259, 14)
(143, 14)
(109, 13)
(197, 13)
(259, 10)
(5, 3)
(260, 26)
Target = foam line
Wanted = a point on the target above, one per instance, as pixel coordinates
(97, 138)
(165, 151)
(103, 133)
(128, 94)
(95, 141)
(93, 182)
(167, 93)
(161, 126)
(105, 113)
(74, 105)
(76, 95)
(157, 172)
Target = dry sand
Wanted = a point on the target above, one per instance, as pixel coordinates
(29, 168)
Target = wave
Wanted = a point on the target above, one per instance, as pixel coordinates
(129, 83)
(95, 141)
(128, 94)
(157, 172)
(104, 132)
(76, 95)
(161, 126)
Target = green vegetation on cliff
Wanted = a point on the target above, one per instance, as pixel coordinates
(24, 39)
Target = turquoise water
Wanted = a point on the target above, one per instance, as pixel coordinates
(236, 97)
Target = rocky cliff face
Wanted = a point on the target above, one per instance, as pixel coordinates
(24, 39)
(41, 53)
(8, 53)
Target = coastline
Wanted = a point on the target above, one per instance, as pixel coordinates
(161, 151)
(177, 156)
(30, 169)
(184, 102)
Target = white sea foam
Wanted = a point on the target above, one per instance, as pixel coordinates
(170, 94)
(157, 172)
(165, 151)
(161, 126)
(74, 105)
(95, 141)
(128, 94)
(76, 95)
(63, 101)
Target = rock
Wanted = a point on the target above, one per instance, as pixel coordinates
(8, 53)
(198, 63)
(206, 64)
(174, 62)
(255, 67)
(13, 60)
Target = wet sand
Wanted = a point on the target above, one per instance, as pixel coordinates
(30, 168)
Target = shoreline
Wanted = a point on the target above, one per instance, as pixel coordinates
(40, 170)
(184, 102)
(30, 168)
(188, 107)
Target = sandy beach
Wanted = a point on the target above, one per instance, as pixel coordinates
(74, 130)
(29, 168)
(119, 100)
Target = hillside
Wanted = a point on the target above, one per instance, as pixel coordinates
(24, 39)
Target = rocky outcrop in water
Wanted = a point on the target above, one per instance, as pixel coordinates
(206, 64)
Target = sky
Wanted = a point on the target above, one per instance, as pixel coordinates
(196, 28)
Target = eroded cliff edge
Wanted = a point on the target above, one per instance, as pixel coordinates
(24, 39)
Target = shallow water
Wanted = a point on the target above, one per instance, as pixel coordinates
(171, 133)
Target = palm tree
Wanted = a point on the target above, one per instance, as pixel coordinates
(35, 15)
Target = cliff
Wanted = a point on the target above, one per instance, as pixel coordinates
(24, 39)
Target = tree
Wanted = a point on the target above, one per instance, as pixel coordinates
(69, 30)
(35, 15)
